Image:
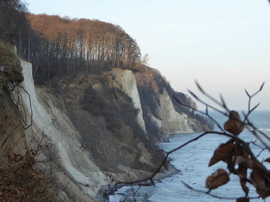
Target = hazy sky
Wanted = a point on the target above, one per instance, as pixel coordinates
(223, 44)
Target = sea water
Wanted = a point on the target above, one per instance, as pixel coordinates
(192, 162)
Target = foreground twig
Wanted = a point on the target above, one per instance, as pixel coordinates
(213, 195)
(235, 152)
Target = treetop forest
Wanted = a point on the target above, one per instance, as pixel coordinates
(59, 46)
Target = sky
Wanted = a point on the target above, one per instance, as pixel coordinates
(224, 45)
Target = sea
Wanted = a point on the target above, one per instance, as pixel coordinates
(192, 163)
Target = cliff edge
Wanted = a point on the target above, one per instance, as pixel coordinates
(99, 128)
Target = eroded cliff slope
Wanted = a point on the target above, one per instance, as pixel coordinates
(11, 122)
(162, 114)
(107, 123)
(98, 126)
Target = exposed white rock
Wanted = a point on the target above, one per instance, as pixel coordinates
(49, 119)
(126, 80)
(73, 159)
(169, 120)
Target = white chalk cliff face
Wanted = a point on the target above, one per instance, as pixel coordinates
(56, 126)
(82, 177)
(126, 81)
(170, 121)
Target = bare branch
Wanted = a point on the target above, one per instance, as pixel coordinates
(247, 93)
(215, 196)
(262, 86)
(251, 96)
(31, 110)
(206, 113)
(193, 94)
(255, 132)
(211, 98)
(199, 87)
(150, 178)
(238, 147)
(223, 103)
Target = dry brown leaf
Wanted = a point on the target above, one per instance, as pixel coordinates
(250, 163)
(244, 153)
(220, 177)
(258, 179)
(234, 124)
(242, 157)
(239, 159)
(222, 152)
(267, 160)
(242, 173)
(242, 200)
(267, 188)
(244, 186)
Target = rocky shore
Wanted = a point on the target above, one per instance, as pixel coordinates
(110, 189)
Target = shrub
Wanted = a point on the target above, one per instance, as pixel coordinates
(19, 181)
(11, 70)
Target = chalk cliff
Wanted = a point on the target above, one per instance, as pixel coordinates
(51, 123)
(170, 121)
(99, 128)
(91, 147)
(126, 81)
(162, 114)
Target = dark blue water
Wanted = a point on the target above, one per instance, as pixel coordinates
(192, 161)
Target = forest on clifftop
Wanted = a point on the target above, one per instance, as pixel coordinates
(62, 46)
(58, 46)
(75, 65)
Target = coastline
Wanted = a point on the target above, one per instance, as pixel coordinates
(169, 173)
(110, 189)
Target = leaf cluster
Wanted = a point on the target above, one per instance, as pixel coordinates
(19, 181)
(236, 153)
(10, 67)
